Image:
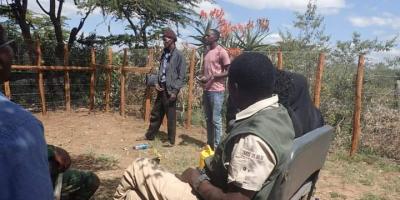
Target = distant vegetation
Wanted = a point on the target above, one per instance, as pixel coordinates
(147, 18)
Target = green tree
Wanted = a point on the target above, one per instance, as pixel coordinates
(301, 51)
(55, 14)
(18, 10)
(147, 17)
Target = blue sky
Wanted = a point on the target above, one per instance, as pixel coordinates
(371, 18)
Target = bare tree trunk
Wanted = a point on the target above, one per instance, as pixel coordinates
(19, 11)
(55, 18)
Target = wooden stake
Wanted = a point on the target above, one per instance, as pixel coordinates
(280, 60)
(92, 78)
(318, 80)
(122, 87)
(357, 106)
(108, 80)
(190, 90)
(147, 103)
(40, 78)
(67, 86)
(7, 89)
(397, 93)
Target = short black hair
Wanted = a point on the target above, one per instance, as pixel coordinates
(216, 33)
(254, 75)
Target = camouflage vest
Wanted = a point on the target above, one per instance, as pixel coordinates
(271, 124)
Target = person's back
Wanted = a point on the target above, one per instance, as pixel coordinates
(24, 169)
(305, 116)
(23, 155)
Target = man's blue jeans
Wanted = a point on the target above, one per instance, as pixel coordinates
(212, 108)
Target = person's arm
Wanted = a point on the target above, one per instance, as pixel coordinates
(209, 192)
(249, 152)
(59, 159)
(181, 70)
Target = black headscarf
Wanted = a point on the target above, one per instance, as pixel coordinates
(293, 93)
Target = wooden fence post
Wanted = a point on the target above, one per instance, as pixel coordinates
(318, 80)
(122, 87)
(190, 89)
(92, 78)
(108, 79)
(40, 78)
(148, 89)
(280, 60)
(67, 86)
(7, 89)
(357, 106)
(397, 93)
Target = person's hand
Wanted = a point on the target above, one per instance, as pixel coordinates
(205, 79)
(190, 175)
(62, 159)
(158, 87)
(172, 97)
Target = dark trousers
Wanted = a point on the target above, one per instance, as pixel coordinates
(162, 106)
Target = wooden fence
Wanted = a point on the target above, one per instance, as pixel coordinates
(150, 65)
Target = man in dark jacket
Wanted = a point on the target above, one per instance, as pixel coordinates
(171, 76)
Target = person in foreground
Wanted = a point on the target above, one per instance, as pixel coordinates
(248, 160)
(75, 184)
(171, 76)
(24, 169)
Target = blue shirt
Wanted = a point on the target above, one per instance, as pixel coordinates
(24, 167)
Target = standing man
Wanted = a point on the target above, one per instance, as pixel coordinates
(171, 76)
(215, 70)
(24, 168)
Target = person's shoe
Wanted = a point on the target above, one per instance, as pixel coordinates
(143, 138)
(169, 145)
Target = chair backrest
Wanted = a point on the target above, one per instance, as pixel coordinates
(307, 157)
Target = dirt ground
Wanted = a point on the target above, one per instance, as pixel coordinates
(103, 142)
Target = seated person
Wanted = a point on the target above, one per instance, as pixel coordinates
(293, 93)
(246, 162)
(24, 170)
(292, 90)
(76, 185)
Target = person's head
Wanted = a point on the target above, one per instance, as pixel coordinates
(283, 87)
(212, 36)
(6, 54)
(169, 38)
(251, 79)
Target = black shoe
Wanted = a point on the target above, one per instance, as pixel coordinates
(143, 138)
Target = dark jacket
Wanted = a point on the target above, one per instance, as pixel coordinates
(175, 72)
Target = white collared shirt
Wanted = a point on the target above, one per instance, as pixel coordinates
(252, 160)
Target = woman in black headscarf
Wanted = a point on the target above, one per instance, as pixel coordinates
(292, 90)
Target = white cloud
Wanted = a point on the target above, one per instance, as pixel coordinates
(387, 20)
(325, 6)
(272, 38)
(376, 57)
(206, 6)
